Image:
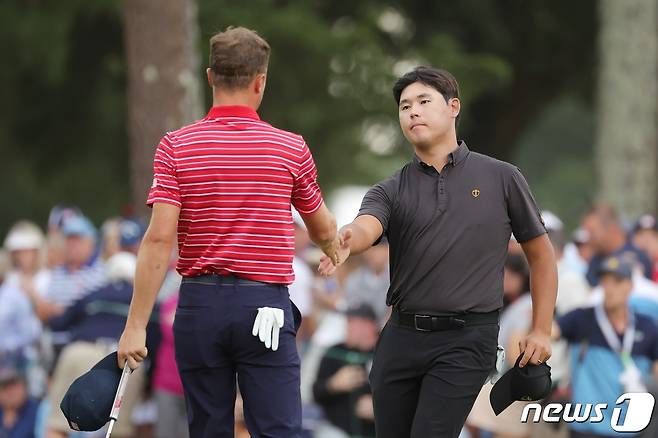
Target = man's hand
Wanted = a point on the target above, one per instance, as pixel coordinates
(132, 347)
(267, 324)
(45, 310)
(332, 249)
(364, 408)
(328, 264)
(536, 348)
(347, 379)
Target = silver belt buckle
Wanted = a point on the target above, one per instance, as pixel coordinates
(416, 322)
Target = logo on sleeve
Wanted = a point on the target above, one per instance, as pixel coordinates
(475, 193)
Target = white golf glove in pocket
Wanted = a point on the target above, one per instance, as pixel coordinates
(500, 363)
(267, 324)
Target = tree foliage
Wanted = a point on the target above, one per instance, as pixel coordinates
(63, 124)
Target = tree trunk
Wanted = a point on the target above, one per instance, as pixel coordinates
(163, 80)
(626, 144)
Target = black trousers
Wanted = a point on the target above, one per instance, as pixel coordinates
(424, 384)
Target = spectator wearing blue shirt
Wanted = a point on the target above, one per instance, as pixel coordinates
(19, 328)
(18, 412)
(608, 238)
(82, 273)
(613, 349)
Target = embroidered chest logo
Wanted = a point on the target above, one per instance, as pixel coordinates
(475, 193)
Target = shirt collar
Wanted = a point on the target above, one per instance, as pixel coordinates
(455, 157)
(459, 154)
(232, 111)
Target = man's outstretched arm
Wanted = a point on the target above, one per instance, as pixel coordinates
(321, 227)
(152, 264)
(356, 237)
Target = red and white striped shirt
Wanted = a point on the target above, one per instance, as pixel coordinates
(234, 178)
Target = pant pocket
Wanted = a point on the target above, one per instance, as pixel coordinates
(296, 316)
(193, 339)
(488, 343)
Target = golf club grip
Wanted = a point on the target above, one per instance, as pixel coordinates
(118, 398)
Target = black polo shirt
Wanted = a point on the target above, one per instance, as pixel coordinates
(448, 231)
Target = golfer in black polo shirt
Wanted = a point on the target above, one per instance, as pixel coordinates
(448, 215)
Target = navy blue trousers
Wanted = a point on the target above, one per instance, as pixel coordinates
(214, 346)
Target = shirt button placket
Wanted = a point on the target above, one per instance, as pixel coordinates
(443, 195)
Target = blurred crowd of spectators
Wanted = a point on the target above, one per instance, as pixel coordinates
(65, 293)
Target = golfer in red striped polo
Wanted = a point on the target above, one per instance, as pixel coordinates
(223, 188)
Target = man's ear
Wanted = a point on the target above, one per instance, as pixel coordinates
(259, 83)
(455, 106)
(209, 76)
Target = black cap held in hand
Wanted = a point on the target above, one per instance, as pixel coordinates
(88, 401)
(530, 383)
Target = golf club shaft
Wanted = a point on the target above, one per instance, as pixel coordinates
(109, 429)
(118, 398)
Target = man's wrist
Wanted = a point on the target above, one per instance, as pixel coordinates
(135, 325)
(327, 243)
(542, 329)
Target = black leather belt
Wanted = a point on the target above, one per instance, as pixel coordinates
(214, 279)
(432, 323)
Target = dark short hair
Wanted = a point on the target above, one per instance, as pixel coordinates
(236, 56)
(441, 80)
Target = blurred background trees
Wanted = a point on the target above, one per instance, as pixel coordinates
(164, 80)
(76, 89)
(627, 134)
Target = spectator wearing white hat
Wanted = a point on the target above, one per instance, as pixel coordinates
(19, 327)
(25, 243)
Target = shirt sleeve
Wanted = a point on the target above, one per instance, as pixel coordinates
(165, 179)
(378, 202)
(522, 209)
(570, 325)
(71, 316)
(306, 194)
